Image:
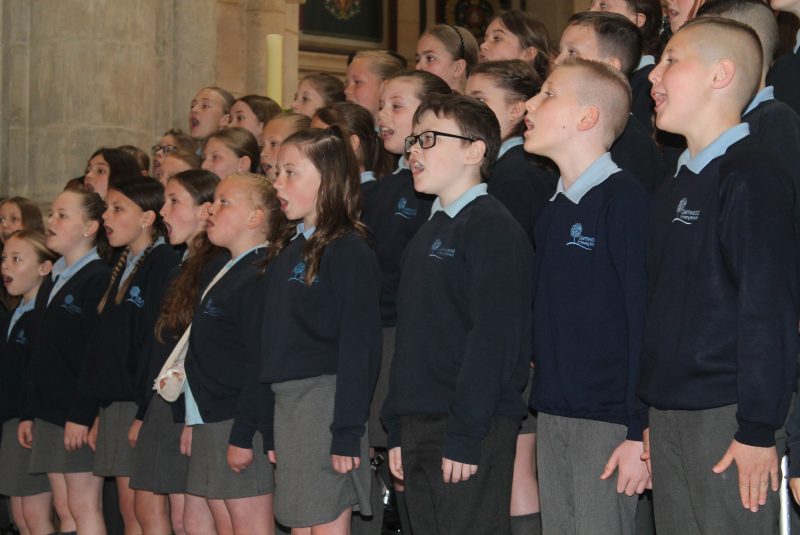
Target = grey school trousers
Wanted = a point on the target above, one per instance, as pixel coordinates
(690, 499)
(571, 453)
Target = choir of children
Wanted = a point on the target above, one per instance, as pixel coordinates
(241, 350)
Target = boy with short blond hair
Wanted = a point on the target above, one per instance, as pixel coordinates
(589, 298)
(718, 359)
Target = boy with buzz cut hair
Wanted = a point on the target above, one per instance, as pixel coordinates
(785, 72)
(615, 40)
(463, 330)
(720, 342)
(589, 298)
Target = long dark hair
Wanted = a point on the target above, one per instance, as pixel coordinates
(178, 305)
(148, 194)
(120, 164)
(339, 197)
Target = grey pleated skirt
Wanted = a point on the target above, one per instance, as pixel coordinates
(308, 492)
(158, 465)
(528, 425)
(14, 461)
(114, 455)
(209, 474)
(377, 434)
(49, 456)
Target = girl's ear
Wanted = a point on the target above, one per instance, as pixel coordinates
(244, 164)
(355, 143)
(202, 211)
(225, 120)
(529, 54)
(459, 68)
(256, 219)
(45, 268)
(517, 110)
(148, 218)
(91, 228)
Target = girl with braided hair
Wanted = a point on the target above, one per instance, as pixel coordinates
(127, 312)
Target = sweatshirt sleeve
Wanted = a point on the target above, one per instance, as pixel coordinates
(758, 245)
(84, 406)
(627, 224)
(498, 261)
(255, 399)
(355, 276)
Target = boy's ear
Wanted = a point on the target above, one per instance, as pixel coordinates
(475, 153)
(724, 72)
(588, 119)
(614, 62)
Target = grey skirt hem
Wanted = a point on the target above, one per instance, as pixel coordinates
(158, 465)
(114, 454)
(209, 475)
(49, 456)
(15, 480)
(308, 491)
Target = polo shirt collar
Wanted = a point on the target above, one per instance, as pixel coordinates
(715, 149)
(595, 174)
(455, 207)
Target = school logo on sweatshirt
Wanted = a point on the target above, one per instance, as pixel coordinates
(578, 239)
(22, 338)
(682, 215)
(403, 210)
(70, 306)
(299, 274)
(439, 252)
(135, 297)
(212, 310)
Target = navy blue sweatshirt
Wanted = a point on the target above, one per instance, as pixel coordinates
(394, 211)
(14, 357)
(118, 349)
(642, 105)
(785, 76)
(777, 126)
(522, 186)
(331, 327)
(463, 325)
(58, 353)
(590, 286)
(721, 322)
(221, 358)
(159, 351)
(636, 152)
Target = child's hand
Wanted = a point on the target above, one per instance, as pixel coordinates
(455, 472)
(271, 457)
(133, 432)
(343, 464)
(646, 453)
(396, 463)
(186, 441)
(794, 484)
(633, 475)
(74, 436)
(756, 467)
(239, 458)
(25, 434)
(91, 438)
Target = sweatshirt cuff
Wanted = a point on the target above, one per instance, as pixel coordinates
(346, 445)
(241, 435)
(636, 426)
(755, 434)
(82, 416)
(462, 449)
(393, 437)
(140, 412)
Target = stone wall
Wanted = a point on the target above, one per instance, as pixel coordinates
(79, 74)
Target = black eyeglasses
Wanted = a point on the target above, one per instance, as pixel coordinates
(428, 139)
(168, 149)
